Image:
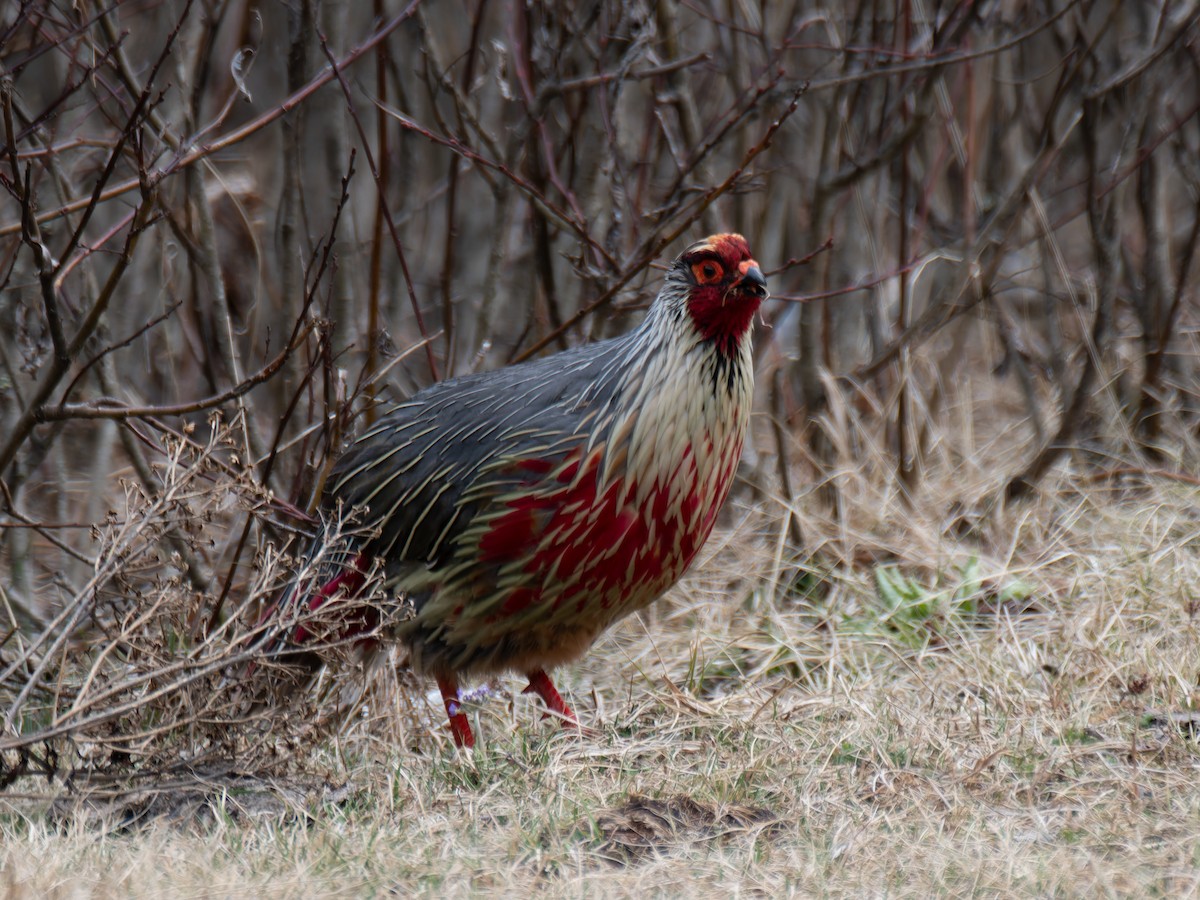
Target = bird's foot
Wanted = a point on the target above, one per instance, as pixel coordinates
(540, 684)
(460, 728)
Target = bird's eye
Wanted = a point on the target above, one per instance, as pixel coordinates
(707, 272)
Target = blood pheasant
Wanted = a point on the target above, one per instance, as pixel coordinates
(523, 511)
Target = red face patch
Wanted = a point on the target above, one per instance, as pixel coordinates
(728, 287)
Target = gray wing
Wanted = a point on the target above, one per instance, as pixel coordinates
(432, 462)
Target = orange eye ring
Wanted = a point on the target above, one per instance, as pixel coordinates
(707, 272)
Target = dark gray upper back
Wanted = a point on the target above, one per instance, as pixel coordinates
(413, 466)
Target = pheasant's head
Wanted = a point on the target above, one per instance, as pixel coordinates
(724, 287)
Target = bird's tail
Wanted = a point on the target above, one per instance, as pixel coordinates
(326, 605)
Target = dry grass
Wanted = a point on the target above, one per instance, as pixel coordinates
(764, 729)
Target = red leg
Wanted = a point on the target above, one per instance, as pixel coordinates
(540, 684)
(460, 728)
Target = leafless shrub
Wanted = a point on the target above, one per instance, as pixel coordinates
(135, 672)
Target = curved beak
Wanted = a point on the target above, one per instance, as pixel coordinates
(753, 281)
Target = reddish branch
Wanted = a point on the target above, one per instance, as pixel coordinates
(108, 408)
(195, 154)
